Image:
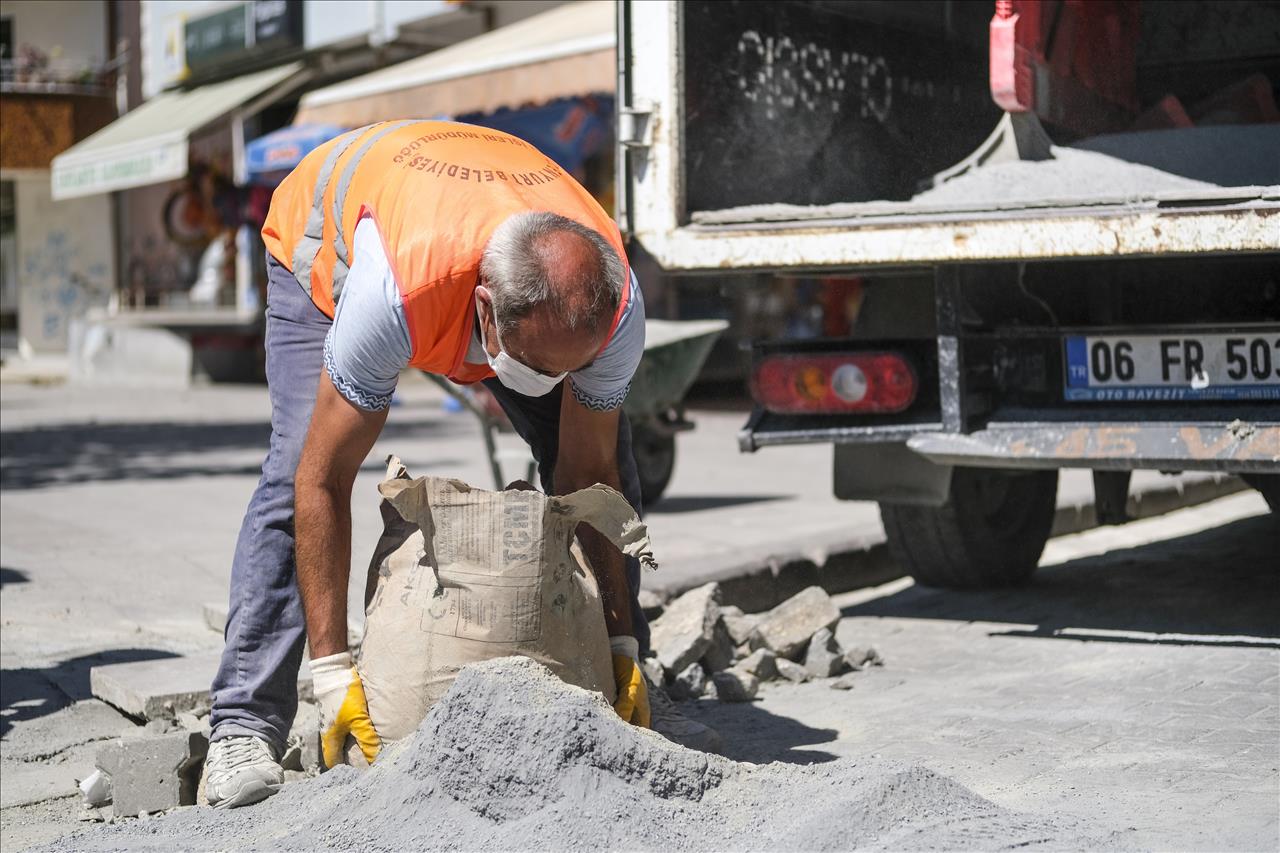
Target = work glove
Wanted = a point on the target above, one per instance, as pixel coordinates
(343, 709)
(632, 703)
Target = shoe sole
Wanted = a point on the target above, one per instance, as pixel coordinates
(251, 792)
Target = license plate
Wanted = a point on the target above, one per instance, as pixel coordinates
(1175, 366)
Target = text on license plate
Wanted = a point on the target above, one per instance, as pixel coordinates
(1176, 366)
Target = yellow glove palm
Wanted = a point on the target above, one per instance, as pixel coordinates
(632, 703)
(344, 710)
(352, 719)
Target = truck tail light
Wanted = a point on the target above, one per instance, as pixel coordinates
(870, 382)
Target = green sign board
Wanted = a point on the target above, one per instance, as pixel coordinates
(265, 27)
(216, 38)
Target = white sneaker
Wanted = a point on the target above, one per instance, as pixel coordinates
(240, 770)
(666, 720)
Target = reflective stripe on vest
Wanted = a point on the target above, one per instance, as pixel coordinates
(308, 246)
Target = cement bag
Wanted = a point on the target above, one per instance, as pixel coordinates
(463, 575)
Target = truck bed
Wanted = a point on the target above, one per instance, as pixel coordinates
(1195, 190)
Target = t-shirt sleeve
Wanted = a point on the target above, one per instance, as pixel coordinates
(603, 384)
(368, 344)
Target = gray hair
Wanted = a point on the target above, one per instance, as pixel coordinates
(518, 276)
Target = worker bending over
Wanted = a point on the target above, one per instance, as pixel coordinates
(464, 252)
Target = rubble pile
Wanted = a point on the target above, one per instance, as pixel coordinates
(704, 649)
(512, 758)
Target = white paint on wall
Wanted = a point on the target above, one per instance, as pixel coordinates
(66, 260)
(68, 32)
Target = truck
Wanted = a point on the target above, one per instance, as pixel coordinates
(1064, 218)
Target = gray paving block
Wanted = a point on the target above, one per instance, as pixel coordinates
(150, 774)
(685, 630)
(164, 688)
(215, 615)
(786, 629)
(43, 738)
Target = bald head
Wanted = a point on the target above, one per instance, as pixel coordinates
(554, 272)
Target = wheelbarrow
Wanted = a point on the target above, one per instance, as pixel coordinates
(674, 352)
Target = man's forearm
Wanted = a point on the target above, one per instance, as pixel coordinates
(322, 520)
(611, 576)
(607, 561)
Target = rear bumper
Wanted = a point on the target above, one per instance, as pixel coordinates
(1237, 447)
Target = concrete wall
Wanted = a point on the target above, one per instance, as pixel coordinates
(70, 31)
(66, 260)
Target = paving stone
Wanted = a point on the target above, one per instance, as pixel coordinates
(654, 671)
(215, 615)
(824, 657)
(651, 603)
(166, 687)
(761, 663)
(739, 624)
(721, 653)
(303, 750)
(41, 738)
(735, 685)
(785, 630)
(792, 671)
(689, 682)
(152, 774)
(24, 783)
(844, 682)
(861, 656)
(685, 630)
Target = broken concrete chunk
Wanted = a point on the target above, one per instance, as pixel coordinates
(792, 671)
(166, 687)
(151, 774)
(735, 685)
(844, 682)
(860, 656)
(689, 682)
(653, 671)
(651, 603)
(684, 632)
(785, 630)
(824, 657)
(761, 663)
(302, 751)
(738, 624)
(720, 654)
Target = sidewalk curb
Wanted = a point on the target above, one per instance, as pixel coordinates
(760, 585)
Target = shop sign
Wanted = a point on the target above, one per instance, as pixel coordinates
(264, 27)
(130, 168)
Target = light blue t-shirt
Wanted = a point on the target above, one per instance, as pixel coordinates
(368, 344)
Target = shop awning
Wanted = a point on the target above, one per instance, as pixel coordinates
(149, 145)
(564, 52)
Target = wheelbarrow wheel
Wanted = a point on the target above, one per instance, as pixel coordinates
(655, 454)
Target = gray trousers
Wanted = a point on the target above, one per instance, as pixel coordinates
(255, 690)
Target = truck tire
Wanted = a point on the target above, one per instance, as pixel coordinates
(655, 454)
(989, 533)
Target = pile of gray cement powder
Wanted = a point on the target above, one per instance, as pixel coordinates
(514, 759)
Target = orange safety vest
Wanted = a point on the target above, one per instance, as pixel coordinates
(436, 190)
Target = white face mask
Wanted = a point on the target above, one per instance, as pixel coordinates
(514, 374)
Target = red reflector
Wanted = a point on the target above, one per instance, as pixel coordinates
(870, 382)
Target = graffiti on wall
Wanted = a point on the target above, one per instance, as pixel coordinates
(59, 285)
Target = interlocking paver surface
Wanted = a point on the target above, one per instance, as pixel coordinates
(1137, 687)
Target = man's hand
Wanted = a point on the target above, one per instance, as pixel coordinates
(632, 703)
(343, 709)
